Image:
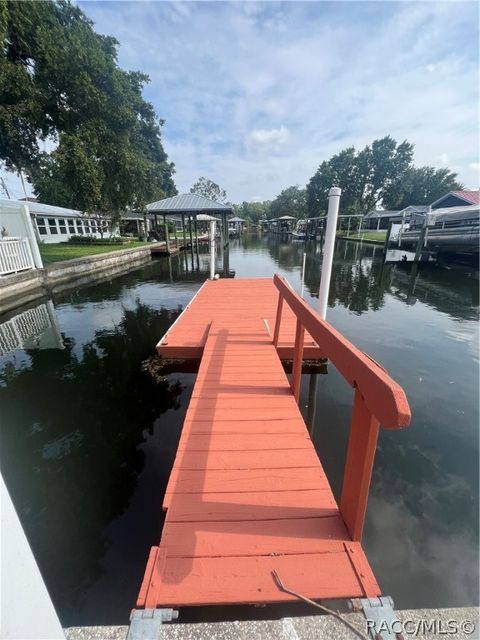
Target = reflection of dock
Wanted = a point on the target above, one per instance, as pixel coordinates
(35, 328)
(248, 501)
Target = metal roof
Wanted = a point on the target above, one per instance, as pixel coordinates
(39, 209)
(458, 213)
(236, 219)
(471, 196)
(187, 203)
(380, 213)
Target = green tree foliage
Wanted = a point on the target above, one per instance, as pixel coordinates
(367, 177)
(209, 189)
(422, 185)
(253, 211)
(60, 82)
(292, 201)
(380, 174)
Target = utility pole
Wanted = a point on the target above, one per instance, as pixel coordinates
(4, 187)
(20, 173)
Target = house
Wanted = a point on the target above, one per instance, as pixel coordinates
(57, 224)
(378, 219)
(457, 199)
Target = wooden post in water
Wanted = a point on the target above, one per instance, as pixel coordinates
(184, 232)
(196, 233)
(165, 226)
(387, 238)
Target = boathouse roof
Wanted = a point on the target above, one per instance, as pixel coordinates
(381, 213)
(457, 198)
(187, 203)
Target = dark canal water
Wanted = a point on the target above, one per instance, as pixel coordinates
(88, 438)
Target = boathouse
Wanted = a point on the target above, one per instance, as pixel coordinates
(457, 199)
(378, 219)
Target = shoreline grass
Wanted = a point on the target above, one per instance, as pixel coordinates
(64, 251)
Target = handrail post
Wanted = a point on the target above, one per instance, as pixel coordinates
(278, 319)
(362, 444)
(298, 359)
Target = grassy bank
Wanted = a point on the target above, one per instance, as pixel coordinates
(65, 251)
(372, 236)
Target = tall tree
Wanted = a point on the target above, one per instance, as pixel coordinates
(209, 189)
(60, 82)
(292, 201)
(367, 178)
(253, 211)
(422, 185)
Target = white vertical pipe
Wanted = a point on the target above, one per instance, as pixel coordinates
(303, 272)
(212, 249)
(26, 610)
(328, 249)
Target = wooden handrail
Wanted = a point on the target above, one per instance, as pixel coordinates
(378, 400)
(383, 397)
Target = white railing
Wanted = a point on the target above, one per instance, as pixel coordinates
(26, 326)
(15, 255)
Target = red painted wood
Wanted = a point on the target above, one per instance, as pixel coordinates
(383, 396)
(298, 360)
(255, 537)
(247, 493)
(257, 505)
(362, 445)
(248, 579)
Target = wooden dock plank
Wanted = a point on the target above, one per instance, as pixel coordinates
(258, 505)
(256, 537)
(248, 579)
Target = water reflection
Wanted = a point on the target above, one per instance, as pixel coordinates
(34, 328)
(73, 423)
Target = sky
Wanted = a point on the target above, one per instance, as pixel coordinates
(256, 95)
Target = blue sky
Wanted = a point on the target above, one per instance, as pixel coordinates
(256, 95)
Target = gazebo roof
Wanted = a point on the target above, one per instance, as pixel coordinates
(187, 203)
(236, 219)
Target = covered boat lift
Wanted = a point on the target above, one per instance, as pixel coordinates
(195, 208)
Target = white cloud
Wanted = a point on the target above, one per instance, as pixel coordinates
(268, 140)
(257, 108)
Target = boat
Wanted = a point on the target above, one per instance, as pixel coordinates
(300, 231)
(452, 230)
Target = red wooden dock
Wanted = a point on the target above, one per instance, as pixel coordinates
(247, 494)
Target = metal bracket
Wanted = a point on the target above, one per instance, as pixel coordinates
(382, 623)
(145, 624)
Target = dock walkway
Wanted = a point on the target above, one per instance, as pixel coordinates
(247, 494)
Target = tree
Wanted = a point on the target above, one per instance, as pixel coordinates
(367, 178)
(291, 201)
(60, 82)
(209, 189)
(253, 211)
(421, 186)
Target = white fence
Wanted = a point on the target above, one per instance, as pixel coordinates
(15, 255)
(26, 326)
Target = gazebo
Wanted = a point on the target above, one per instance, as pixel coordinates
(193, 207)
(235, 225)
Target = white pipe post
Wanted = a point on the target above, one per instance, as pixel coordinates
(328, 249)
(212, 249)
(303, 272)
